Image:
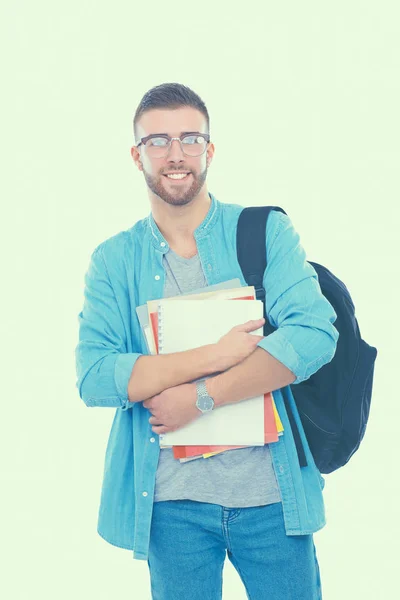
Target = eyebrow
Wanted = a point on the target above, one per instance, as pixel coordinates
(182, 133)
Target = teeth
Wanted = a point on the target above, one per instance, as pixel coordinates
(177, 176)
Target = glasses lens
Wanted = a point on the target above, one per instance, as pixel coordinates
(157, 147)
(192, 145)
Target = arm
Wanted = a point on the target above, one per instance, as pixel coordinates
(104, 367)
(153, 374)
(257, 374)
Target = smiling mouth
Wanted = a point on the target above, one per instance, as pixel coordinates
(177, 176)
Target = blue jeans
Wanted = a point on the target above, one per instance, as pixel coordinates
(189, 541)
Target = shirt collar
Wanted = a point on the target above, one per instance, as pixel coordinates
(161, 244)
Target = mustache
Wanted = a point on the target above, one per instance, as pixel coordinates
(177, 171)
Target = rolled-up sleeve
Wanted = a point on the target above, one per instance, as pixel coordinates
(305, 338)
(103, 365)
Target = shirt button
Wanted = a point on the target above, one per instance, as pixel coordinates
(209, 267)
(144, 494)
(162, 244)
(152, 439)
(282, 470)
(157, 277)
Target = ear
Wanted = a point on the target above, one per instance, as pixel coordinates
(136, 158)
(210, 154)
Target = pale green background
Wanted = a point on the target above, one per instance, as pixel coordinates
(303, 99)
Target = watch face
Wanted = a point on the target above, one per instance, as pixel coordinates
(205, 403)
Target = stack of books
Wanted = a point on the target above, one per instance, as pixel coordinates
(192, 320)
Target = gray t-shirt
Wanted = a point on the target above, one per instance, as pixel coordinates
(236, 478)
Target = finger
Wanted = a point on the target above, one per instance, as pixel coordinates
(159, 429)
(148, 402)
(154, 421)
(253, 324)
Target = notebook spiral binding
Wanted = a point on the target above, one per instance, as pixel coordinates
(160, 344)
(160, 329)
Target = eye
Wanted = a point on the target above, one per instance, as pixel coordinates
(193, 139)
(157, 141)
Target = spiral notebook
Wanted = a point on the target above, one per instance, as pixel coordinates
(189, 324)
(242, 293)
(143, 310)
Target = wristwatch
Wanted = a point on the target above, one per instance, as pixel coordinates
(204, 401)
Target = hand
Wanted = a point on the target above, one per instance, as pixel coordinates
(238, 344)
(173, 408)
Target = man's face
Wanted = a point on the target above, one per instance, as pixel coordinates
(173, 123)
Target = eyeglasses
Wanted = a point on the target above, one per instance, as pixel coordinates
(158, 145)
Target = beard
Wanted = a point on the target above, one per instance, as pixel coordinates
(177, 197)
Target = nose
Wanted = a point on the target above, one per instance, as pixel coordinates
(175, 151)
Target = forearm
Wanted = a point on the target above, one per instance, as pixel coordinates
(153, 374)
(256, 375)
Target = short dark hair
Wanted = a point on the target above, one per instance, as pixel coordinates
(170, 96)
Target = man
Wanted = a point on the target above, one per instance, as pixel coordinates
(255, 503)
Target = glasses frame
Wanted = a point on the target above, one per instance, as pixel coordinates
(171, 139)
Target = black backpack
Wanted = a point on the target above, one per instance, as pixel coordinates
(334, 403)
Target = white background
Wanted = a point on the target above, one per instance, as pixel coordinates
(304, 101)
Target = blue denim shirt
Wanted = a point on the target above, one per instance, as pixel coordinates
(124, 272)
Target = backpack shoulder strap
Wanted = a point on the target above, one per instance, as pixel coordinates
(250, 242)
(252, 257)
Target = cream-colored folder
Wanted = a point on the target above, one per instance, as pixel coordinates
(189, 324)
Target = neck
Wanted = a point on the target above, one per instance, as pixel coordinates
(178, 223)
